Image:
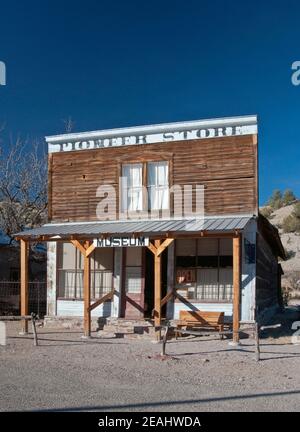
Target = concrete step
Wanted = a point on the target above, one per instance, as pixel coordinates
(121, 322)
(106, 335)
(130, 329)
(118, 329)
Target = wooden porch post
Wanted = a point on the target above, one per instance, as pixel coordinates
(87, 292)
(236, 287)
(24, 283)
(86, 250)
(157, 290)
(157, 250)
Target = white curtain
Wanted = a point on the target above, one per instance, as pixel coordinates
(132, 187)
(158, 185)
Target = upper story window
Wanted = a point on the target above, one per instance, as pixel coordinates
(132, 187)
(158, 185)
(145, 186)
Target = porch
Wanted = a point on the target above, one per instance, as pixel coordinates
(160, 237)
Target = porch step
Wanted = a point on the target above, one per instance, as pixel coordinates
(123, 322)
(129, 329)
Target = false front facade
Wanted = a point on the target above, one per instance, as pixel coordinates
(148, 221)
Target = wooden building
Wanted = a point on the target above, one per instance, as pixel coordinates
(147, 221)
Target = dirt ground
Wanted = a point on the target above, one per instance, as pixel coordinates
(201, 373)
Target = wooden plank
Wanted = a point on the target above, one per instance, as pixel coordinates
(50, 162)
(167, 298)
(90, 250)
(79, 246)
(103, 299)
(164, 245)
(87, 293)
(236, 286)
(157, 290)
(152, 248)
(24, 283)
(226, 166)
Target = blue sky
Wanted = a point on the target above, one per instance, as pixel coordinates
(119, 63)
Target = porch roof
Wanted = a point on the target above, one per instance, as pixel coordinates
(150, 228)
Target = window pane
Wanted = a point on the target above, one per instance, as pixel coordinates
(134, 256)
(185, 261)
(186, 247)
(226, 282)
(132, 187)
(213, 261)
(207, 247)
(133, 280)
(102, 259)
(208, 261)
(226, 246)
(226, 261)
(207, 284)
(70, 272)
(158, 185)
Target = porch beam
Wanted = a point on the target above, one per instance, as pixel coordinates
(24, 283)
(90, 249)
(167, 235)
(79, 246)
(152, 248)
(236, 287)
(167, 297)
(103, 299)
(164, 245)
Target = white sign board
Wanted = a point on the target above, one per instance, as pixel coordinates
(122, 242)
(183, 131)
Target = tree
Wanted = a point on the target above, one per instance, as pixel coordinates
(23, 186)
(69, 124)
(288, 197)
(276, 200)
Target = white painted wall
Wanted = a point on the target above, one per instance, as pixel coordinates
(74, 308)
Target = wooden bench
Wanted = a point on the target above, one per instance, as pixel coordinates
(191, 319)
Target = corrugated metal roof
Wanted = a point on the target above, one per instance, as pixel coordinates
(145, 227)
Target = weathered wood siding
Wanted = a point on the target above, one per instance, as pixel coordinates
(266, 276)
(227, 167)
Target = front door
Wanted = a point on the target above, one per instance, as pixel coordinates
(133, 283)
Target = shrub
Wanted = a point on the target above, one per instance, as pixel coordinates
(276, 200)
(288, 197)
(291, 224)
(296, 210)
(266, 211)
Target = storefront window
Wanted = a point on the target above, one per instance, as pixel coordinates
(70, 272)
(204, 269)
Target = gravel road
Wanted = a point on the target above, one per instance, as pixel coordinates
(201, 374)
